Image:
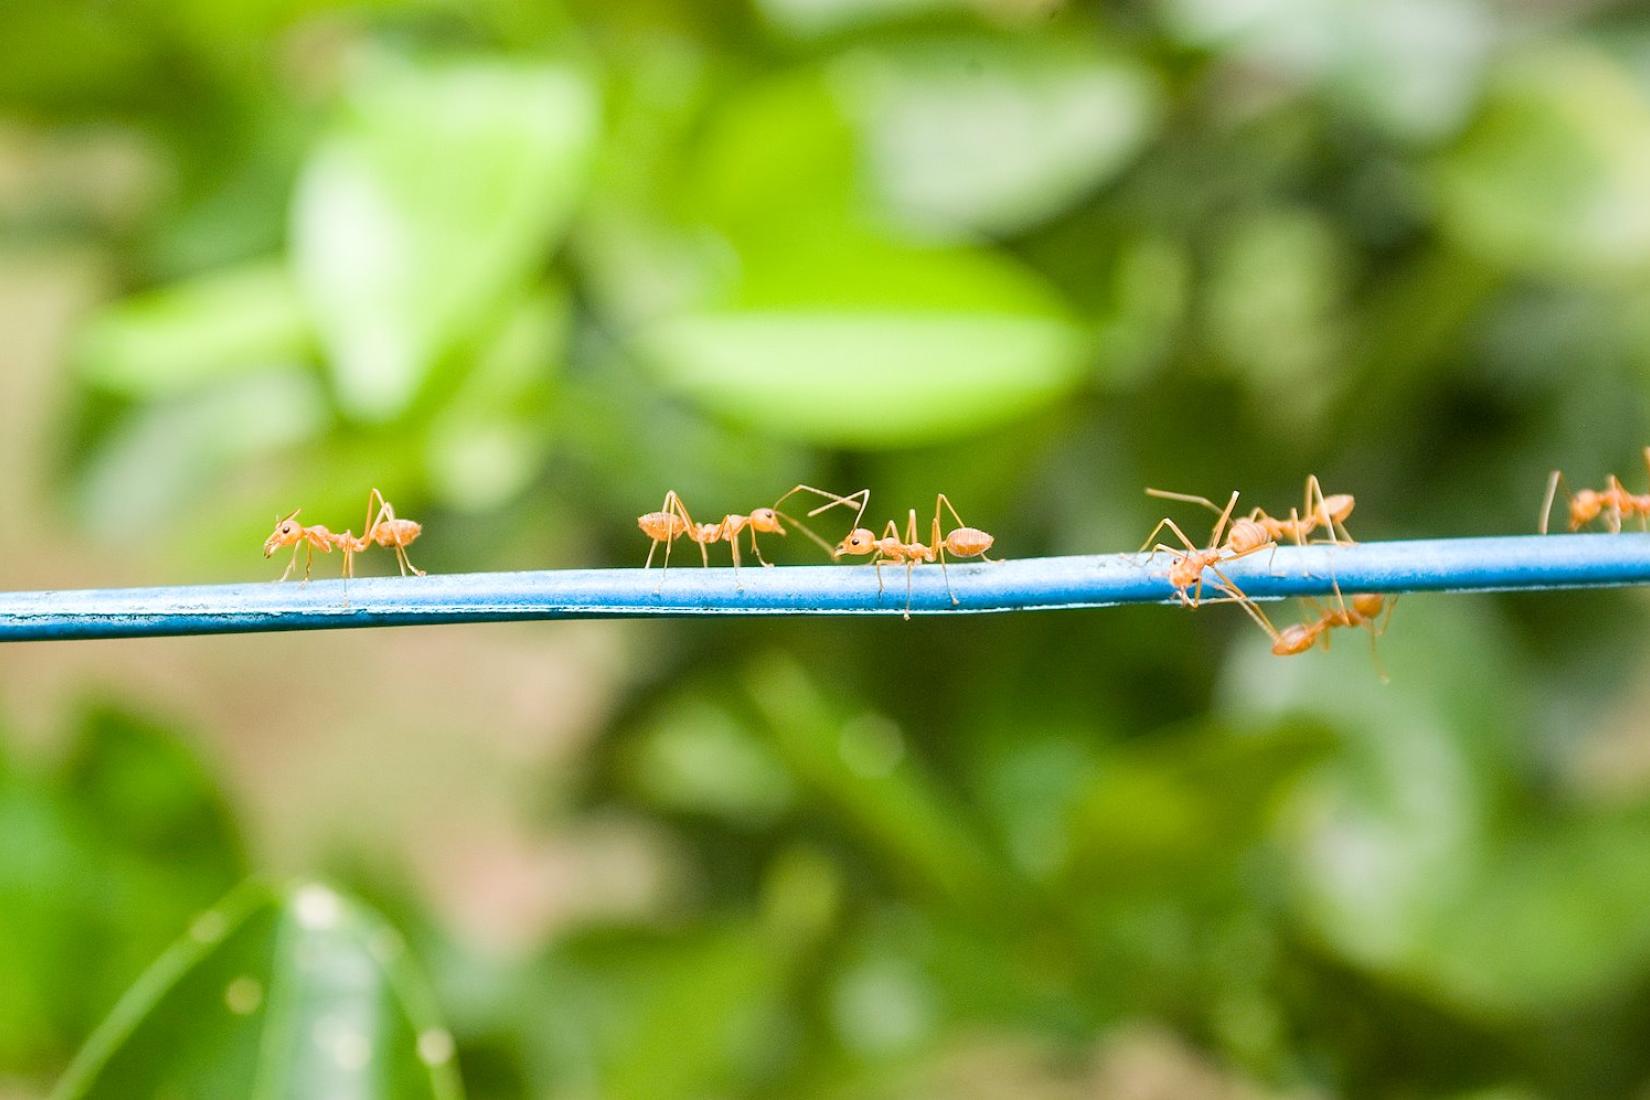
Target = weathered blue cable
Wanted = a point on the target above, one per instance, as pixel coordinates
(1483, 564)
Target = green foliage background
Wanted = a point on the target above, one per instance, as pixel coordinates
(526, 266)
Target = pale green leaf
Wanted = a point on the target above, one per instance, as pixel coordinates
(439, 193)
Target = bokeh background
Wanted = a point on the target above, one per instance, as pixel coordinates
(526, 266)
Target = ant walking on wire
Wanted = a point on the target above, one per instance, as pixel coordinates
(1258, 530)
(1613, 503)
(1189, 561)
(962, 541)
(383, 528)
(672, 521)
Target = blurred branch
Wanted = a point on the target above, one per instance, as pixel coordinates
(1492, 564)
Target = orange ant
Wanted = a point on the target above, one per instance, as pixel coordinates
(1367, 609)
(1257, 530)
(384, 529)
(1191, 561)
(672, 521)
(961, 541)
(1613, 502)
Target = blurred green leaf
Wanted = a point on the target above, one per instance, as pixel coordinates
(1551, 180)
(1410, 67)
(874, 346)
(295, 993)
(232, 321)
(859, 767)
(810, 307)
(162, 458)
(689, 1014)
(491, 436)
(695, 756)
(994, 135)
(441, 190)
(1557, 918)
(103, 859)
(819, 18)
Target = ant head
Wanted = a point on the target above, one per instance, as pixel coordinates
(858, 542)
(766, 520)
(287, 532)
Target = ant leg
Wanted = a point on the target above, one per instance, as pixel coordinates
(806, 530)
(1178, 533)
(1198, 591)
(1251, 609)
(1230, 588)
(1220, 524)
(938, 545)
(863, 497)
(1185, 498)
(1553, 481)
(293, 564)
(909, 566)
(733, 548)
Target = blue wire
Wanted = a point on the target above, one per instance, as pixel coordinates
(1031, 584)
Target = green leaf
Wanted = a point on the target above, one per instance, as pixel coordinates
(165, 455)
(492, 434)
(299, 993)
(866, 344)
(983, 135)
(178, 337)
(440, 192)
(857, 765)
(102, 859)
(1552, 179)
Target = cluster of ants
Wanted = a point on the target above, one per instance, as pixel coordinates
(672, 522)
(1321, 519)
(1231, 539)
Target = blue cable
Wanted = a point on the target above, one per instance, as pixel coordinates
(1030, 584)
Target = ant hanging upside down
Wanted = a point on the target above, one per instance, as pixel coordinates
(383, 528)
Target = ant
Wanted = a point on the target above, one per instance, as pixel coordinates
(961, 541)
(1191, 561)
(383, 529)
(1257, 530)
(672, 521)
(1367, 609)
(1613, 502)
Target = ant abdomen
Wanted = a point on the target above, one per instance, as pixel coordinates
(968, 542)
